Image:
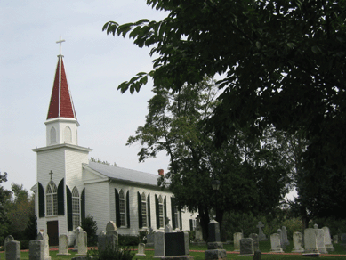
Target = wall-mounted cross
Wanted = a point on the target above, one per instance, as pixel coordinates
(51, 175)
(60, 42)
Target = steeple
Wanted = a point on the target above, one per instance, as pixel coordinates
(61, 104)
(61, 123)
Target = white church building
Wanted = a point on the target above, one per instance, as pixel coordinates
(70, 187)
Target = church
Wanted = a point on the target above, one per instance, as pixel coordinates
(70, 187)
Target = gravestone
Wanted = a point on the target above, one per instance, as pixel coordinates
(298, 242)
(36, 250)
(63, 245)
(12, 249)
(246, 246)
(150, 238)
(328, 239)
(284, 241)
(159, 243)
(141, 249)
(199, 233)
(255, 239)
(111, 235)
(6, 240)
(215, 249)
(275, 243)
(335, 239)
(279, 232)
(236, 239)
(43, 236)
(310, 242)
(261, 235)
(320, 241)
(81, 243)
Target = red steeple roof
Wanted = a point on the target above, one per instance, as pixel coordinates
(61, 104)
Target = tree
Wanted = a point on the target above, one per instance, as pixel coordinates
(281, 63)
(252, 178)
(3, 216)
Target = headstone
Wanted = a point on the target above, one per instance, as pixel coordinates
(279, 231)
(257, 255)
(141, 249)
(284, 241)
(236, 239)
(63, 245)
(275, 243)
(82, 243)
(298, 242)
(102, 241)
(335, 239)
(168, 228)
(150, 238)
(12, 250)
(43, 236)
(176, 244)
(36, 250)
(199, 233)
(7, 239)
(159, 243)
(310, 242)
(315, 226)
(255, 239)
(320, 241)
(111, 227)
(111, 235)
(215, 250)
(328, 239)
(246, 246)
(261, 235)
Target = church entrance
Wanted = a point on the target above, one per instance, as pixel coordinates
(53, 233)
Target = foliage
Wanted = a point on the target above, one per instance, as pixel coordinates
(89, 225)
(280, 63)
(128, 240)
(5, 223)
(117, 253)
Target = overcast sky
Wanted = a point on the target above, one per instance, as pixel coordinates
(95, 65)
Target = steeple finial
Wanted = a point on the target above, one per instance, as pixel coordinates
(60, 42)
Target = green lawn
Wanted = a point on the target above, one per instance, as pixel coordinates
(264, 245)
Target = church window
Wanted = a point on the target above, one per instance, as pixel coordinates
(52, 135)
(144, 210)
(75, 208)
(161, 212)
(68, 135)
(52, 199)
(122, 208)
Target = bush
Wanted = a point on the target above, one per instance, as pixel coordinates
(128, 240)
(90, 226)
(24, 244)
(117, 253)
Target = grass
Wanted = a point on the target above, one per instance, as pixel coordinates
(264, 246)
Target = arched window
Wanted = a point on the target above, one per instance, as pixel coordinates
(52, 135)
(51, 199)
(67, 135)
(161, 216)
(144, 210)
(122, 208)
(75, 208)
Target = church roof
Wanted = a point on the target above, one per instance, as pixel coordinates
(61, 104)
(124, 174)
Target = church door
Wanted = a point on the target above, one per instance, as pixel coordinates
(53, 233)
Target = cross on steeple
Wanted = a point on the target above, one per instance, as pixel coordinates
(60, 42)
(51, 175)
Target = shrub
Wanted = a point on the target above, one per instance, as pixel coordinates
(128, 240)
(90, 226)
(116, 253)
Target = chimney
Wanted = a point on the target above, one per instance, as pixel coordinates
(161, 172)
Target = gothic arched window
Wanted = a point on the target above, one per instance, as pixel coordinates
(51, 199)
(75, 208)
(52, 135)
(68, 135)
(161, 216)
(122, 208)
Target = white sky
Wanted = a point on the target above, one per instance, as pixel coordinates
(95, 65)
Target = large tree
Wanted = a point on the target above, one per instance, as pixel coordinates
(281, 63)
(252, 176)
(4, 194)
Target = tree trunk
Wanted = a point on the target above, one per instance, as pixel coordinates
(204, 221)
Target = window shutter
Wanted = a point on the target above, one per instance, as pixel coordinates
(128, 209)
(69, 209)
(139, 210)
(83, 205)
(165, 209)
(157, 212)
(148, 202)
(190, 224)
(40, 200)
(173, 218)
(117, 208)
(61, 207)
(181, 223)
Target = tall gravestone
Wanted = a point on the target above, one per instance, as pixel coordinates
(310, 242)
(284, 241)
(236, 240)
(246, 246)
(298, 242)
(6, 240)
(261, 235)
(63, 245)
(43, 236)
(12, 249)
(159, 244)
(320, 241)
(275, 243)
(172, 244)
(215, 249)
(150, 238)
(141, 250)
(36, 250)
(328, 239)
(112, 234)
(255, 240)
(82, 241)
